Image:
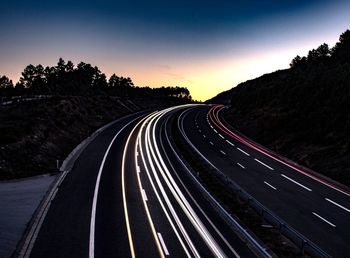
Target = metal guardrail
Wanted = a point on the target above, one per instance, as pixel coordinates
(301, 241)
(4, 101)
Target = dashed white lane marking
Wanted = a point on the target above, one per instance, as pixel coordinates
(243, 151)
(221, 136)
(262, 163)
(199, 130)
(138, 170)
(337, 204)
(144, 196)
(295, 182)
(266, 183)
(211, 127)
(230, 143)
(215, 131)
(211, 143)
(165, 249)
(239, 164)
(204, 136)
(328, 222)
(222, 152)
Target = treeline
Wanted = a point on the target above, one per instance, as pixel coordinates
(82, 80)
(302, 112)
(340, 53)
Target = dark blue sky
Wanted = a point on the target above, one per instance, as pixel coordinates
(190, 43)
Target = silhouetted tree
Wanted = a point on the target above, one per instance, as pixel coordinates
(341, 50)
(6, 86)
(5, 83)
(65, 79)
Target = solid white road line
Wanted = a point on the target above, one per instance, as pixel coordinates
(94, 200)
(222, 152)
(330, 223)
(337, 204)
(221, 136)
(243, 151)
(295, 182)
(262, 163)
(230, 143)
(211, 143)
(163, 243)
(274, 188)
(241, 165)
(144, 196)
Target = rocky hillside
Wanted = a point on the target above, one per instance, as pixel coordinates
(302, 112)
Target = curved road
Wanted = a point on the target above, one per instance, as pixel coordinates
(130, 195)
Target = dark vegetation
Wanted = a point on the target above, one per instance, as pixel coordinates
(303, 112)
(51, 110)
(65, 79)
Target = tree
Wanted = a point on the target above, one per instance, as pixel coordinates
(341, 50)
(27, 77)
(34, 79)
(5, 83)
(296, 60)
(113, 81)
(98, 81)
(323, 51)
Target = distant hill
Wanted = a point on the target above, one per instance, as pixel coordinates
(302, 112)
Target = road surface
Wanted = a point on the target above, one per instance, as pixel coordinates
(129, 195)
(316, 207)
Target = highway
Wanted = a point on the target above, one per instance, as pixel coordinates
(314, 206)
(132, 194)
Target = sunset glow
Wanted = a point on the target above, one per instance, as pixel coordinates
(168, 45)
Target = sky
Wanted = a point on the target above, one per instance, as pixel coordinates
(206, 46)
